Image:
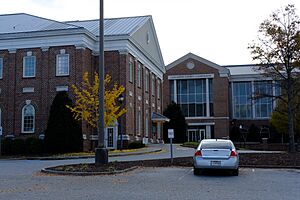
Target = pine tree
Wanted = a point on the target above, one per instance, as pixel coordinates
(177, 122)
(63, 133)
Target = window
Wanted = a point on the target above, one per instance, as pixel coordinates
(193, 96)
(138, 122)
(130, 70)
(147, 124)
(62, 65)
(139, 76)
(147, 81)
(28, 119)
(1, 68)
(172, 95)
(263, 106)
(242, 93)
(29, 64)
(158, 89)
(245, 106)
(153, 85)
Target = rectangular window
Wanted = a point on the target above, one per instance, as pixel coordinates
(146, 81)
(158, 89)
(1, 68)
(264, 105)
(147, 124)
(192, 95)
(62, 65)
(29, 64)
(172, 95)
(242, 100)
(139, 78)
(139, 122)
(130, 71)
(153, 85)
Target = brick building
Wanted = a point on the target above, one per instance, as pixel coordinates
(39, 57)
(213, 98)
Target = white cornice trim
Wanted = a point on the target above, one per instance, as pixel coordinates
(224, 72)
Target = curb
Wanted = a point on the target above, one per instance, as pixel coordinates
(55, 172)
(85, 157)
(270, 166)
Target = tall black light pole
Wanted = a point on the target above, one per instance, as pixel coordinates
(101, 153)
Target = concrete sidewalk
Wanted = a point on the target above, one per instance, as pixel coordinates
(146, 150)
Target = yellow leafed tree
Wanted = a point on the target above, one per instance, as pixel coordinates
(87, 103)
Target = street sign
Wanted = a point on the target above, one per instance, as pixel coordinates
(170, 133)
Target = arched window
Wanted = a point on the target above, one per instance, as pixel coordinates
(28, 119)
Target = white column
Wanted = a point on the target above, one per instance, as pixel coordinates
(207, 97)
(208, 132)
(175, 91)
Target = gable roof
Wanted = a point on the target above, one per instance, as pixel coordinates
(222, 70)
(22, 22)
(113, 26)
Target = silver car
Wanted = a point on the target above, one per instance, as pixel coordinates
(216, 154)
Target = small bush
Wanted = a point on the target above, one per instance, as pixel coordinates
(6, 146)
(18, 147)
(191, 144)
(33, 146)
(136, 145)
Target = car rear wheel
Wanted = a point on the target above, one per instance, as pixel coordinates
(197, 171)
(235, 172)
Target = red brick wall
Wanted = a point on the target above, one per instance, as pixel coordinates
(220, 94)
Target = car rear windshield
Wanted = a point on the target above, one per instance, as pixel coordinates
(216, 145)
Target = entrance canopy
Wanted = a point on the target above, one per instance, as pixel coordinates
(156, 117)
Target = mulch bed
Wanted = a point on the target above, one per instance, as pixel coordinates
(253, 160)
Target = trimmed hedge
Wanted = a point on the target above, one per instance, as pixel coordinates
(28, 146)
(136, 145)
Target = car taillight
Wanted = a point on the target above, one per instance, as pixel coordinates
(198, 153)
(233, 154)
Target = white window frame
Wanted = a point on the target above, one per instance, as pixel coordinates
(147, 124)
(153, 85)
(24, 66)
(1, 68)
(130, 71)
(139, 78)
(23, 117)
(147, 81)
(158, 89)
(58, 65)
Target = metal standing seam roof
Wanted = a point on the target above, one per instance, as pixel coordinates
(21, 22)
(113, 26)
(243, 70)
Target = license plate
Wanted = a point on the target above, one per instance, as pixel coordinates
(215, 163)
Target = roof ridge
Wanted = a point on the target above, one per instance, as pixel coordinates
(117, 18)
(43, 18)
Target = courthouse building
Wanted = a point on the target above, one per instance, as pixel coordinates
(213, 98)
(39, 57)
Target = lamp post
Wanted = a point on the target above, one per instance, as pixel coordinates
(121, 100)
(101, 153)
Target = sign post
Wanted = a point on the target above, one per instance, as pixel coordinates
(171, 136)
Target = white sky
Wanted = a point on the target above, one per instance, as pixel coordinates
(217, 30)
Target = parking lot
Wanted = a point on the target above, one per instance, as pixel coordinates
(155, 183)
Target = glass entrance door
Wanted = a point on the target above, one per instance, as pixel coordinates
(196, 135)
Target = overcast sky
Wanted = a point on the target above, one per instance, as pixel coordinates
(217, 30)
